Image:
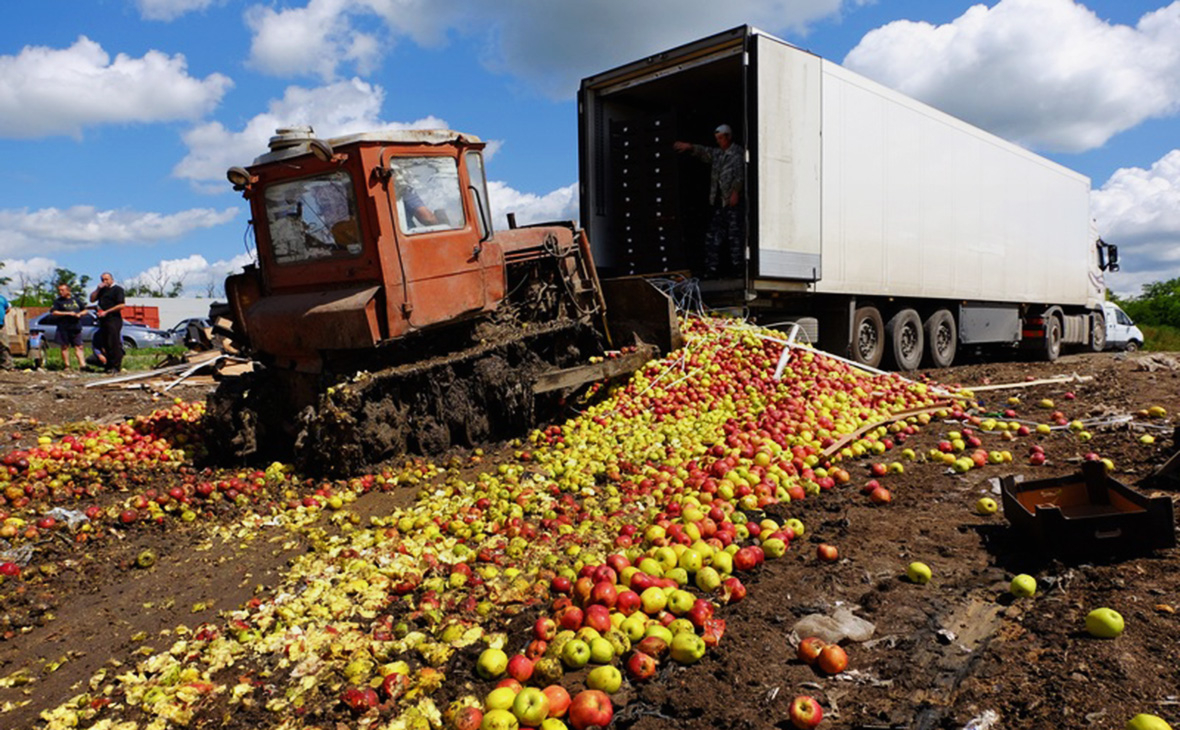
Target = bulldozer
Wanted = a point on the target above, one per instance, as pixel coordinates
(385, 314)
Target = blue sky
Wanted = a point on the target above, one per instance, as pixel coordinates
(118, 118)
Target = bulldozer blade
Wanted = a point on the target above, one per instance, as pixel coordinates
(637, 311)
(570, 379)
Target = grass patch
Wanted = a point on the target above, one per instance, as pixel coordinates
(135, 360)
(1160, 337)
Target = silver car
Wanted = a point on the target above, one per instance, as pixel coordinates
(134, 335)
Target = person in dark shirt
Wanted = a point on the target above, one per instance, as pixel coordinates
(67, 310)
(108, 340)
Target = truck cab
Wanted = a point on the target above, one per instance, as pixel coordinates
(1121, 332)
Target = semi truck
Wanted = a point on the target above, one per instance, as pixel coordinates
(888, 229)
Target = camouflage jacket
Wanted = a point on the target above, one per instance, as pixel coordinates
(727, 173)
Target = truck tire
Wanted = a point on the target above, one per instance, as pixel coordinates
(1097, 332)
(1051, 348)
(906, 341)
(868, 336)
(1132, 345)
(942, 339)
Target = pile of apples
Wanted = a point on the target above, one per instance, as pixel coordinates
(630, 526)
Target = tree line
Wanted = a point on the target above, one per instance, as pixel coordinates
(31, 291)
(1158, 305)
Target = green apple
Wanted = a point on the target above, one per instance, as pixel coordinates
(680, 575)
(653, 600)
(687, 648)
(1104, 623)
(795, 526)
(680, 602)
(681, 624)
(1023, 586)
(774, 548)
(531, 706)
(492, 663)
(499, 719)
(651, 566)
(918, 573)
(501, 698)
(723, 562)
(605, 678)
(634, 625)
(1143, 721)
(575, 654)
(601, 651)
(707, 579)
(660, 631)
(666, 557)
(691, 560)
(986, 506)
(619, 640)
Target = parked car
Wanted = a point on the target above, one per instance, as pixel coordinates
(1121, 332)
(134, 335)
(178, 332)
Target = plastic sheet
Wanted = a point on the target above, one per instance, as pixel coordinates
(840, 625)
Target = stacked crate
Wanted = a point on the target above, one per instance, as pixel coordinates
(645, 195)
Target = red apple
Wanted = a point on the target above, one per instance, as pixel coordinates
(589, 708)
(810, 648)
(641, 666)
(545, 629)
(559, 700)
(805, 713)
(520, 668)
(627, 602)
(732, 590)
(827, 553)
(570, 618)
(467, 718)
(832, 659)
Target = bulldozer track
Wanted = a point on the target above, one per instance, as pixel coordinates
(480, 393)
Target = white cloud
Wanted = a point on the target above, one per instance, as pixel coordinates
(549, 45)
(23, 232)
(559, 205)
(25, 272)
(168, 10)
(344, 107)
(1049, 74)
(45, 91)
(314, 39)
(1139, 210)
(196, 275)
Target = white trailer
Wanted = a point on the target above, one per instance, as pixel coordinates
(891, 227)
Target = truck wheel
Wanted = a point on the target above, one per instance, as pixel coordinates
(868, 336)
(1132, 345)
(1052, 344)
(906, 339)
(942, 339)
(1097, 332)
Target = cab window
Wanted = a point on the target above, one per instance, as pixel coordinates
(313, 218)
(479, 186)
(428, 194)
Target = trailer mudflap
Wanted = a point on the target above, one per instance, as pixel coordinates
(1087, 514)
(300, 326)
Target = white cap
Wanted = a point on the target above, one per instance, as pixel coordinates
(723, 129)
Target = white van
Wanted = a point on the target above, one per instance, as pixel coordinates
(1121, 332)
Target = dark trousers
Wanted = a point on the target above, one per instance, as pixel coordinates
(109, 339)
(725, 241)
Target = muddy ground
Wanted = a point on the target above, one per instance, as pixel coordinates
(959, 652)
